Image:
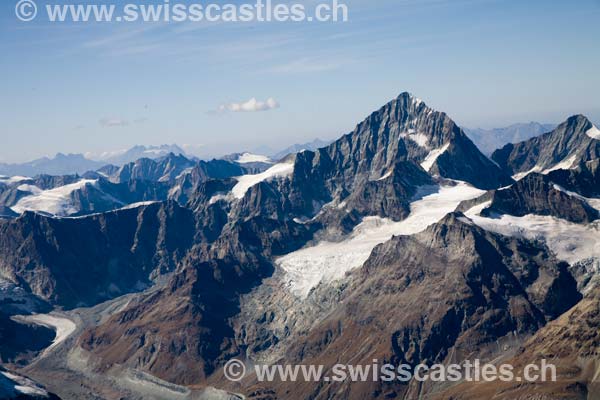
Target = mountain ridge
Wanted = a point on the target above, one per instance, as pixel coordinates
(563, 148)
(394, 271)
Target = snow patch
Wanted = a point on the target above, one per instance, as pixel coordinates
(174, 191)
(329, 261)
(567, 163)
(186, 171)
(17, 297)
(15, 383)
(465, 220)
(252, 158)
(476, 210)
(594, 203)
(433, 156)
(219, 197)
(419, 138)
(29, 189)
(387, 175)
(54, 201)
(521, 175)
(570, 242)
(245, 182)
(138, 204)
(593, 132)
(13, 179)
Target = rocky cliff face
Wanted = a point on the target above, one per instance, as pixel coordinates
(83, 261)
(570, 144)
(180, 333)
(165, 169)
(572, 343)
(437, 296)
(536, 194)
(583, 179)
(404, 130)
(404, 142)
(174, 168)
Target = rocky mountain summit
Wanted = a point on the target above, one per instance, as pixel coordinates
(575, 141)
(399, 241)
(405, 129)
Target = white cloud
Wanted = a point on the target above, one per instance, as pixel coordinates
(251, 105)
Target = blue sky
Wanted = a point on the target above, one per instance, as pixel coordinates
(487, 63)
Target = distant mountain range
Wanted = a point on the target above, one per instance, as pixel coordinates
(296, 148)
(68, 164)
(489, 140)
(121, 157)
(61, 164)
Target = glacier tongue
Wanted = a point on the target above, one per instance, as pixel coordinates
(329, 261)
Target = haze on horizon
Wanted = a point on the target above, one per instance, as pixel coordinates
(78, 88)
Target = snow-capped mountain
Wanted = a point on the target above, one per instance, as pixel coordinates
(163, 169)
(399, 241)
(488, 140)
(145, 180)
(250, 161)
(121, 157)
(77, 196)
(575, 141)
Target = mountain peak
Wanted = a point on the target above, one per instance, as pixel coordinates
(406, 130)
(409, 96)
(578, 120)
(410, 99)
(571, 143)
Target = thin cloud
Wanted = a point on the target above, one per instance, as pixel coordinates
(113, 122)
(119, 122)
(252, 105)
